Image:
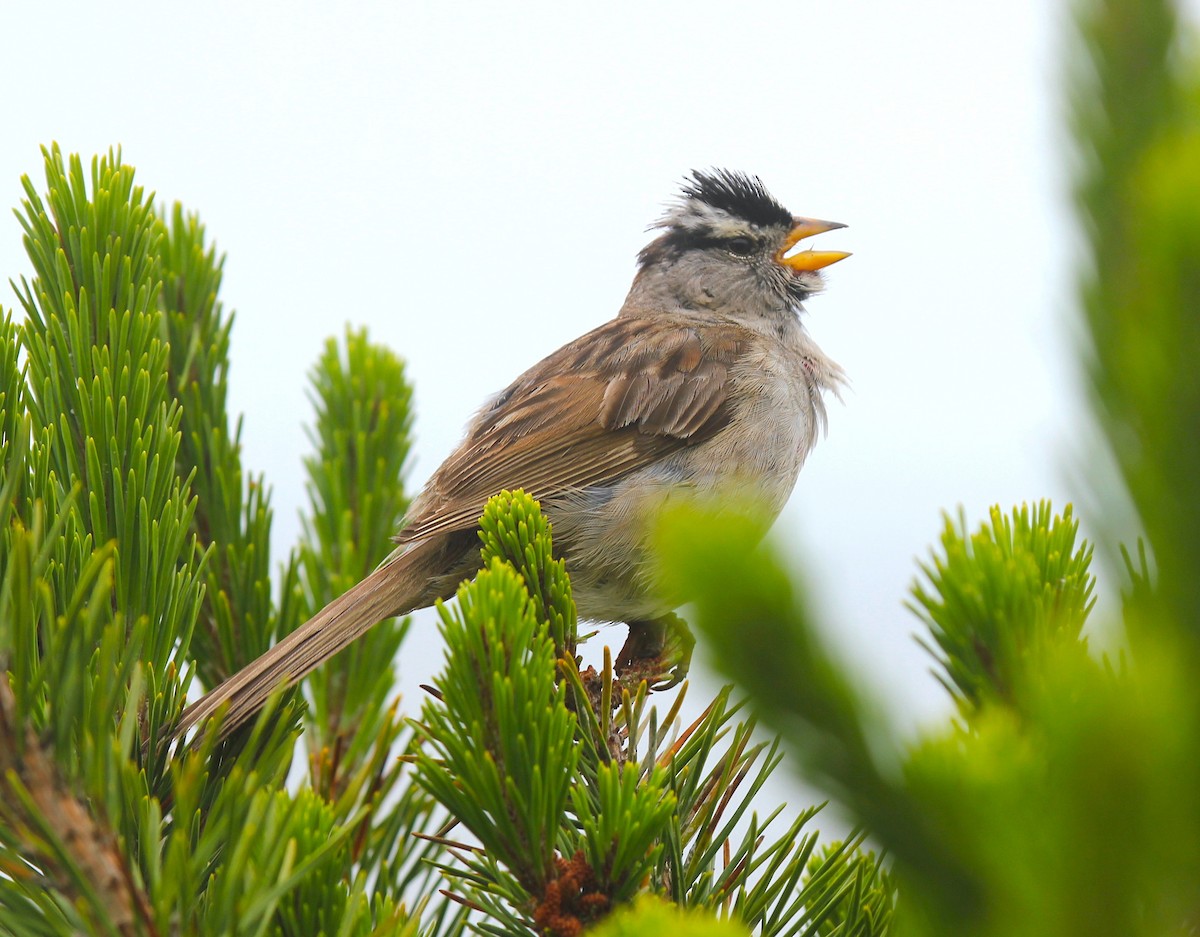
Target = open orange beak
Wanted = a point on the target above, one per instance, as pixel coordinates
(803, 261)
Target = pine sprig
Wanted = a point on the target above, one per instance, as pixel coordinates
(505, 751)
(101, 580)
(233, 513)
(514, 529)
(639, 811)
(112, 427)
(869, 906)
(54, 845)
(621, 853)
(1134, 109)
(996, 599)
(762, 634)
(362, 439)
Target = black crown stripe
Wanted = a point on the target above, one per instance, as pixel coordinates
(738, 194)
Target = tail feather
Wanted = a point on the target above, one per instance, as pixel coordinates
(392, 589)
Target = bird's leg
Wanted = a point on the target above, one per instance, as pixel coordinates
(657, 648)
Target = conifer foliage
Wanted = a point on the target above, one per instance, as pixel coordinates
(528, 798)
(527, 793)
(1064, 799)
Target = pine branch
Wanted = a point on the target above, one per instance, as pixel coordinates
(1000, 601)
(580, 809)
(111, 426)
(60, 734)
(98, 605)
(361, 439)
(764, 638)
(233, 513)
(1134, 109)
(56, 851)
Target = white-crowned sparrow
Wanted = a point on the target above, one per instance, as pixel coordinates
(705, 381)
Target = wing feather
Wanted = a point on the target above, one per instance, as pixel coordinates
(609, 403)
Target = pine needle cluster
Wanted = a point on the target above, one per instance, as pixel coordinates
(1063, 799)
(134, 567)
(527, 794)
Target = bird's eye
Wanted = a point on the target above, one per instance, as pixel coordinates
(740, 246)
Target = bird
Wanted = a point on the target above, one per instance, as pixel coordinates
(706, 381)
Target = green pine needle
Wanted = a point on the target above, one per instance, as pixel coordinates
(995, 600)
(514, 529)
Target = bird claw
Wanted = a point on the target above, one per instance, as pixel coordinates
(657, 651)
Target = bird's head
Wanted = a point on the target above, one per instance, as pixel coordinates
(728, 245)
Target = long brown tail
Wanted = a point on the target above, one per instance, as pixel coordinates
(393, 589)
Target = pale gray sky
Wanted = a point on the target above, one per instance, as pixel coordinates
(473, 181)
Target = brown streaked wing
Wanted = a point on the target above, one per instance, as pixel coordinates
(610, 402)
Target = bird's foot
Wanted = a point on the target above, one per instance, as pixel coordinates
(658, 651)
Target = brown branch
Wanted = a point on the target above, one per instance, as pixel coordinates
(55, 825)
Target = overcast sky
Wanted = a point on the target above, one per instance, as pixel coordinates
(472, 182)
